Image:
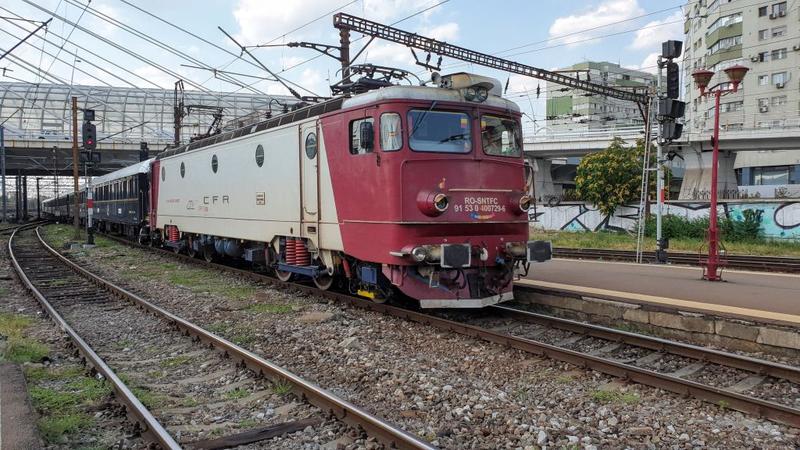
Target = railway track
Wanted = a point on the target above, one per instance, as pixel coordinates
(754, 386)
(181, 392)
(744, 262)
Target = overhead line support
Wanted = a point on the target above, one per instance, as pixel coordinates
(349, 22)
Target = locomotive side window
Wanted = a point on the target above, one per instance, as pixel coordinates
(391, 132)
(311, 145)
(214, 163)
(260, 155)
(439, 131)
(500, 136)
(358, 144)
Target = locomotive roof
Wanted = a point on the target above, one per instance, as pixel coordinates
(141, 167)
(386, 93)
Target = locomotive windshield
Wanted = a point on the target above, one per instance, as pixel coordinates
(500, 136)
(439, 131)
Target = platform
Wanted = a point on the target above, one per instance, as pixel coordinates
(756, 295)
(17, 420)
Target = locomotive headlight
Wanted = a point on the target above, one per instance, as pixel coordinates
(441, 202)
(525, 203)
(481, 94)
(432, 203)
(470, 94)
(419, 254)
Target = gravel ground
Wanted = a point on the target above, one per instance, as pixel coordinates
(194, 391)
(456, 391)
(106, 425)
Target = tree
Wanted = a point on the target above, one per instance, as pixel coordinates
(612, 177)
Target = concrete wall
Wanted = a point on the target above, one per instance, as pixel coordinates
(780, 219)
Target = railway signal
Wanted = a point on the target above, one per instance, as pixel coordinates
(89, 145)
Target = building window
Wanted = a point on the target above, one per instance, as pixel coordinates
(779, 8)
(770, 176)
(763, 57)
(724, 22)
(762, 11)
(779, 100)
(779, 31)
(731, 106)
(726, 43)
(779, 54)
(764, 34)
(779, 78)
(763, 102)
(763, 80)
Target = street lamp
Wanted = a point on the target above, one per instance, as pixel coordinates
(702, 78)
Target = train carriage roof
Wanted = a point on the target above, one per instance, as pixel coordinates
(141, 167)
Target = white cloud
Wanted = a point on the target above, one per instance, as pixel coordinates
(649, 63)
(444, 32)
(565, 30)
(652, 34)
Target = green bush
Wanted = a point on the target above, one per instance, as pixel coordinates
(731, 230)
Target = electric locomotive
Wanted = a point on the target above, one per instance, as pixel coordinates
(415, 189)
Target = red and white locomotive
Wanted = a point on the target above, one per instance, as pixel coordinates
(416, 189)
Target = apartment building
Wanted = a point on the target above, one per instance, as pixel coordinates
(764, 36)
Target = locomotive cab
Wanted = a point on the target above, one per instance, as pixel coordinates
(439, 193)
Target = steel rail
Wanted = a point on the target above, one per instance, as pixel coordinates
(720, 396)
(343, 410)
(748, 262)
(151, 428)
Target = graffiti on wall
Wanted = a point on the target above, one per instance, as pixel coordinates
(778, 220)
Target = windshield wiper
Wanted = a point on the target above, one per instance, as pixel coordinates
(454, 137)
(421, 119)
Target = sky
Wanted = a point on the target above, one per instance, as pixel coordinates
(547, 34)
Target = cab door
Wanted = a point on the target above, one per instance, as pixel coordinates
(309, 179)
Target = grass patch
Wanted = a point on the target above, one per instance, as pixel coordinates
(54, 428)
(218, 327)
(282, 387)
(3, 291)
(190, 402)
(62, 396)
(624, 241)
(270, 308)
(626, 398)
(148, 398)
(248, 423)
(19, 348)
(237, 394)
(174, 362)
(243, 338)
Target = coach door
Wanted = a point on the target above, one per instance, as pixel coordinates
(309, 177)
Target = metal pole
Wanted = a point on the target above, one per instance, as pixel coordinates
(24, 197)
(344, 53)
(713, 237)
(55, 168)
(38, 201)
(659, 170)
(3, 169)
(75, 162)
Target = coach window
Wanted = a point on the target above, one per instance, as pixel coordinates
(362, 136)
(311, 145)
(391, 132)
(214, 163)
(183, 170)
(260, 155)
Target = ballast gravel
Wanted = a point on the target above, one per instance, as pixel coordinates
(453, 390)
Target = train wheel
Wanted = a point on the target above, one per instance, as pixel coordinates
(324, 282)
(284, 276)
(208, 254)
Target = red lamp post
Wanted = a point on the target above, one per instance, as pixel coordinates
(702, 78)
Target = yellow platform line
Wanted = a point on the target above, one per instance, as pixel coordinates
(672, 302)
